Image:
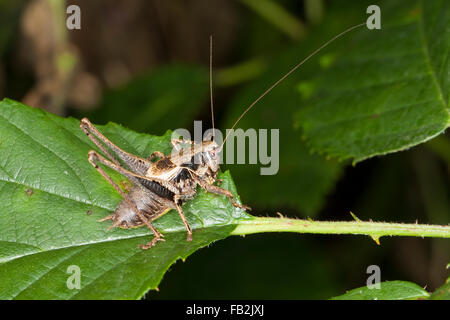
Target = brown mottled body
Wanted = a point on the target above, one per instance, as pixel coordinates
(151, 206)
(158, 186)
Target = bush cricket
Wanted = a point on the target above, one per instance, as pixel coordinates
(168, 182)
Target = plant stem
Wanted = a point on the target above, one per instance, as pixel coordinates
(242, 72)
(278, 16)
(314, 11)
(372, 229)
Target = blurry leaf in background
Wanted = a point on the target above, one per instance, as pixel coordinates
(389, 290)
(303, 179)
(383, 90)
(277, 16)
(52, 198)
(165, 98)
(261, 36)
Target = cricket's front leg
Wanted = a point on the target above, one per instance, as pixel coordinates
(183, 217)
(94, 158)
(218, 190)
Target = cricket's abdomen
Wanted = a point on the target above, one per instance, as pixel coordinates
(156, 188)
(149, 204)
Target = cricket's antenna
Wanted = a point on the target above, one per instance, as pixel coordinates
(288, 74)
(210, 83)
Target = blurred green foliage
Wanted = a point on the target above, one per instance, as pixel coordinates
(386, 90)
(166, 98)
(9, 14)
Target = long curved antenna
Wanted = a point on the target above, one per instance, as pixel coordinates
(287, 75)
(210, 83)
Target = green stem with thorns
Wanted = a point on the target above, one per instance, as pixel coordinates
(373, 229)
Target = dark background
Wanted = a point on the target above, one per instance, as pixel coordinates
(129, 54)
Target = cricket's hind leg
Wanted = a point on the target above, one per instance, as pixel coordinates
(135, 163)
(134, 177)
(93, 158)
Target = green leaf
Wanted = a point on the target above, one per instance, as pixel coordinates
(382, 91)
(51, 199)
(443, 292)
(164, 98)
(389, 290)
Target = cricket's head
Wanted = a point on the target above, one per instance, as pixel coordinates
(210, 155)
(201, 158)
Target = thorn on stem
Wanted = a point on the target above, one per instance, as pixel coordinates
(354, 216)
(376, 239)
